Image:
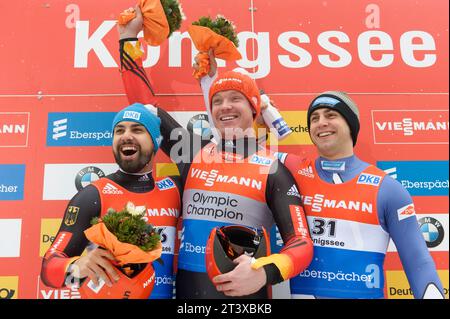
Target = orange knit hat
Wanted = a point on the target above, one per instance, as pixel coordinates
(240, 82)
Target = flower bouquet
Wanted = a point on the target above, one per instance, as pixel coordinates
(161, 19)
(219, 35)
(134, 243)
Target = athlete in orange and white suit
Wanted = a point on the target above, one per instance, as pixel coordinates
(231, 181)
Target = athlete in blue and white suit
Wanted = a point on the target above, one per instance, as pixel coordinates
(333, 120)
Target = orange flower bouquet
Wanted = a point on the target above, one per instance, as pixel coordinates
(126, 235)
(134, 243)
(161, 19)
(219, 35)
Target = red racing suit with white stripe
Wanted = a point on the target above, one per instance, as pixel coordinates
(162, 198)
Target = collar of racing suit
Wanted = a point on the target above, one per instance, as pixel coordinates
(136, 183)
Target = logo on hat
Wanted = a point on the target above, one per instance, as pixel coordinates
(220, 81)
(132, 115)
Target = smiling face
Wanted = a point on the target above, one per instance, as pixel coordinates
(132, 147)
(330, 133)
(232, 114)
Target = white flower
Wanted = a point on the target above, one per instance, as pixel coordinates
(135, 210)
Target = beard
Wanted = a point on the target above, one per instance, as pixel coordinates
(133, 166)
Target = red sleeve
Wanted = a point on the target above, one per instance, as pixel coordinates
(70, 240)
(135, 81)
(284, 201)
(55, 261)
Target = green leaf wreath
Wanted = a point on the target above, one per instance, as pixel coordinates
(174, 14)
(129, 226)
(221, 26)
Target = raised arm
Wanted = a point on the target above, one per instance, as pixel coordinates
(178, 143)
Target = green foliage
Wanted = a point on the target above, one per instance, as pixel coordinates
(220, 26)
(174, 14)
(132, 229)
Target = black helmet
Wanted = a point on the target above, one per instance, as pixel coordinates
(229, 242)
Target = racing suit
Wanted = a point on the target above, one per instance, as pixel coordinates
(353, 208)
(224, 194)
(162, 198)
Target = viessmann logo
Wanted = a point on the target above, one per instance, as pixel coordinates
(45, 292)
(211, 177)
(80, 129)
(319, 202)
(410, 126)
(14, 129)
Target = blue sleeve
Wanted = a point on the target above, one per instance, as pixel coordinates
(416, 259)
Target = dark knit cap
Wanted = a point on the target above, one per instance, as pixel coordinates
(339, 102)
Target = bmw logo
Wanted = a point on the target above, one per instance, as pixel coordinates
(88, 175)
(199, 125)
(432, 231)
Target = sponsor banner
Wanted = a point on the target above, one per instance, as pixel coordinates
(194, 122)
(80, 129)
(49, 229)
(9, 287)
(434, 229)
(10, 234)
(397, 286)
(14, 128)
(290, 52)
(297, 121)
(94, 128)
(166, 169)
(12, 179)
(44, 292)
(420, 178)
(410, 126)
(63, 181)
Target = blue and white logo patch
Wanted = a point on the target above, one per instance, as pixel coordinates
(369, 179)
(165, 184)
(336, 166)
(261, 160)
(132, 115)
